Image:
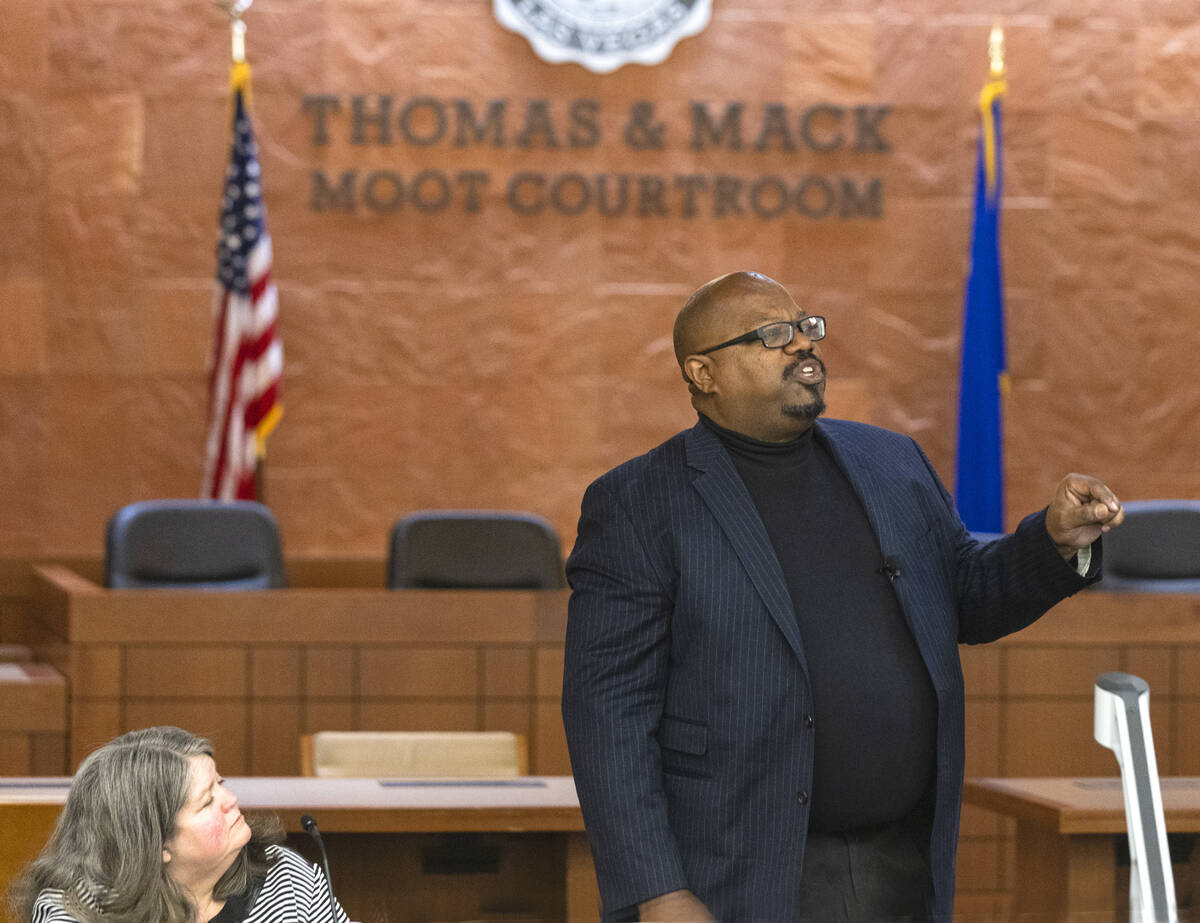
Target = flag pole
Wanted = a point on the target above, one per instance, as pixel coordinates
(247, 354)
(239, 40)
(235, 9)
(979, 466)
(237, 27)
(996, 51)
(995, 87)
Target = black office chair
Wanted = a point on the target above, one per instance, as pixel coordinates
(474, 549)
(1155, 550)
(193, 544)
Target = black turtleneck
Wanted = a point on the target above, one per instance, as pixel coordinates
(874, 705)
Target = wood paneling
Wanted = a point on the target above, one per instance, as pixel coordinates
(33, 718)
(223, 721)
(328, 671)
(1030, 707)
(253, 671)
(418, 672)
(275, 671)
(16, 753)
(1056, 671)
(376, 715)
(192, 671)
(507, 671)
(277, 728)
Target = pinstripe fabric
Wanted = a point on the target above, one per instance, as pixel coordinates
(293, 892)
(685, 689)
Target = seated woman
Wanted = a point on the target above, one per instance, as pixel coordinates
(150, 834)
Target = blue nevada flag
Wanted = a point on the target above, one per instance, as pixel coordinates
(979, 490)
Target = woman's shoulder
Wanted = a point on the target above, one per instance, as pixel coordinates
(293, 890)
(287, 861)
(51, 907)
(289, 871)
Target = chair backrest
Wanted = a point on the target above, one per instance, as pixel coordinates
(474, 549)
(193, 544)
(1155, 550)
(414, 754)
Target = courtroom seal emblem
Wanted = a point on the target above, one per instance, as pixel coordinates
(602, 35)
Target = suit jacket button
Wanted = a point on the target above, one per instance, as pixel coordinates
(802, 797)
(808, 721)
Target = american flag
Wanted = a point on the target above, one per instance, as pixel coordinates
(247, 358)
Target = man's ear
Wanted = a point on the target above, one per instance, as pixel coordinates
(698, 370)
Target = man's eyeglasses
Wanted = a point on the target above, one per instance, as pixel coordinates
(778, 334)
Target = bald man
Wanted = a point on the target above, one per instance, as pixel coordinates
(762, 693)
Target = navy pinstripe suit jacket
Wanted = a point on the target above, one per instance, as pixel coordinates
(685, 688)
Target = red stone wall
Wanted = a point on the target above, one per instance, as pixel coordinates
(500, 360)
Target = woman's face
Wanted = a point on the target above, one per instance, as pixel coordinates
(209, 829)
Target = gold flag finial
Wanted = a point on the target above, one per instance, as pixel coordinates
(996, 51)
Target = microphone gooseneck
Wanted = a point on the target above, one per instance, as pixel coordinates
(309, 823)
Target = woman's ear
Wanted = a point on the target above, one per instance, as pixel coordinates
(166, 855)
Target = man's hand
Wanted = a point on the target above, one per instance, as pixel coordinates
(1081, 510)
(674, 907)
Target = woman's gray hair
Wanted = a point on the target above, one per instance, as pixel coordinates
(105, 854)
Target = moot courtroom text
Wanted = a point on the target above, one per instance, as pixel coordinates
(762, 640)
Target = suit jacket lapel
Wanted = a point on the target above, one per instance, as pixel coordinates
(856, 466)
(726, 496)
(893, 534)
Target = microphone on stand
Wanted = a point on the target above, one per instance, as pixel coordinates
(309, 823)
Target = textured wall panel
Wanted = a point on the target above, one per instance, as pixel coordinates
(488, 358)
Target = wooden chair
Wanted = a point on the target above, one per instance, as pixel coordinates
(414, 754)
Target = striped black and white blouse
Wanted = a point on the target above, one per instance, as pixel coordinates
(293, 892)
